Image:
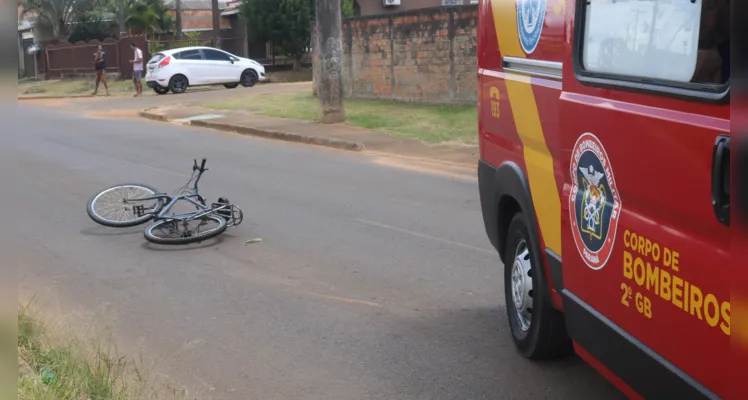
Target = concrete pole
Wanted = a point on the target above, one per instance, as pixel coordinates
(216, 25)
(330, 57)
(178, 6)
(122, 18)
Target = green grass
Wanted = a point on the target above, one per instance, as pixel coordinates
(430, 123)
(74, 87)
(80, 371)
(302, 75)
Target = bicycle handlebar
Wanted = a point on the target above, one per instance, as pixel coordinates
(201, 168)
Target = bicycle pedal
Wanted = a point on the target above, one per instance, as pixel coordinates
(138, 210)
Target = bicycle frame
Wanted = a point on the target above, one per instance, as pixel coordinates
(172, 200)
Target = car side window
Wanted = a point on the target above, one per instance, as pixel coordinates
(188, 55)
(683, 44)
(215, 55)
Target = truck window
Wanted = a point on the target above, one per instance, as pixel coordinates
(682, 43)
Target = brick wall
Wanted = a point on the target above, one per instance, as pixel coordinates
(427, 55)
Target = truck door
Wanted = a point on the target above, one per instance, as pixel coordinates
(645, 218)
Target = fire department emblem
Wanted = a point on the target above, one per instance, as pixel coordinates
(530, 19)
(594, 202)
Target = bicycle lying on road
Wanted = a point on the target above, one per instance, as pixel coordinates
(128, 205)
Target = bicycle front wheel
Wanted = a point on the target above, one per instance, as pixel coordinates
(115, 206)
(174, 232)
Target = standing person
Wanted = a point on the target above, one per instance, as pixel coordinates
(100, 68)
(137, 70)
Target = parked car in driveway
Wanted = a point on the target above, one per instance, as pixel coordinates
(177, 69)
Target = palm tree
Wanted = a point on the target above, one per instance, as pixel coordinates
(148, 17)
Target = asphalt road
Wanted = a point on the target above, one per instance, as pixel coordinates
(372, 282)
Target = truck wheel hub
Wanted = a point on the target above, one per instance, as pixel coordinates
(522, 285)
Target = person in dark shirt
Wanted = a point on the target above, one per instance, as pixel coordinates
(713, 62)
(100, 68)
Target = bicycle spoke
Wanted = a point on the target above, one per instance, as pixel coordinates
(117, 204)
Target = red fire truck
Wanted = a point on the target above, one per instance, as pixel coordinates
(604, 182)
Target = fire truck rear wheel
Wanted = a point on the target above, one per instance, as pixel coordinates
(538, 329)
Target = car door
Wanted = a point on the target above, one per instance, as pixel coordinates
(194, 66)
(221, 65)
(645, 135)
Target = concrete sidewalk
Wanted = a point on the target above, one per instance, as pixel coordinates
(339, 136)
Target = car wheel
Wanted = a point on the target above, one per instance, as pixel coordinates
(538, 329)
(231, 85)
(249, 78)
(160, 90)
(178, 84)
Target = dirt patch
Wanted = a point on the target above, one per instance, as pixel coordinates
(51, 102)
(426, 166)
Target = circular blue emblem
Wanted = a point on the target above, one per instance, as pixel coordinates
(530, 18)
(594, 201)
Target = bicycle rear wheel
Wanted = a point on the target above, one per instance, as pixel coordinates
(174, 232)
(115, 206)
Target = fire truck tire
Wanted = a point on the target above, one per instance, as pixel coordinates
(538, 329)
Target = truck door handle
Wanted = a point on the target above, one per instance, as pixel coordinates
(721, 179)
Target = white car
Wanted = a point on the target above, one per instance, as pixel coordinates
(174, 70)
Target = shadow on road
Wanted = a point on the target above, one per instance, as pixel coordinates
(106, 231)
(469, 354)
(188, 247)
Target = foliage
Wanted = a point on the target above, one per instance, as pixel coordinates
(56, 16)
(96, 24)
(285, 22)
(346, 8)
(148, 16)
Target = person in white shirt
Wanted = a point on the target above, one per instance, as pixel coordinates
(137, 70)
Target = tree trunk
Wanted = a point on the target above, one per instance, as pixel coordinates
(297, 63)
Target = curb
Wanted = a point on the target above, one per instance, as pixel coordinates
(279, 135)
(264, 133)
(153, 116)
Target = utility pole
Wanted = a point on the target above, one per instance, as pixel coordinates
(121, 18)
(330, 57)
(178, 6)
(216, 25)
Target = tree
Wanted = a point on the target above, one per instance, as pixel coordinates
(92, 26)
(99, 23)
(284, 22)
(148, 17)
(57, 16)
(346, 8)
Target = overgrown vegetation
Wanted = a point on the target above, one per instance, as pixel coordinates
(429, 123)
(61, 371)
(56, 366)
